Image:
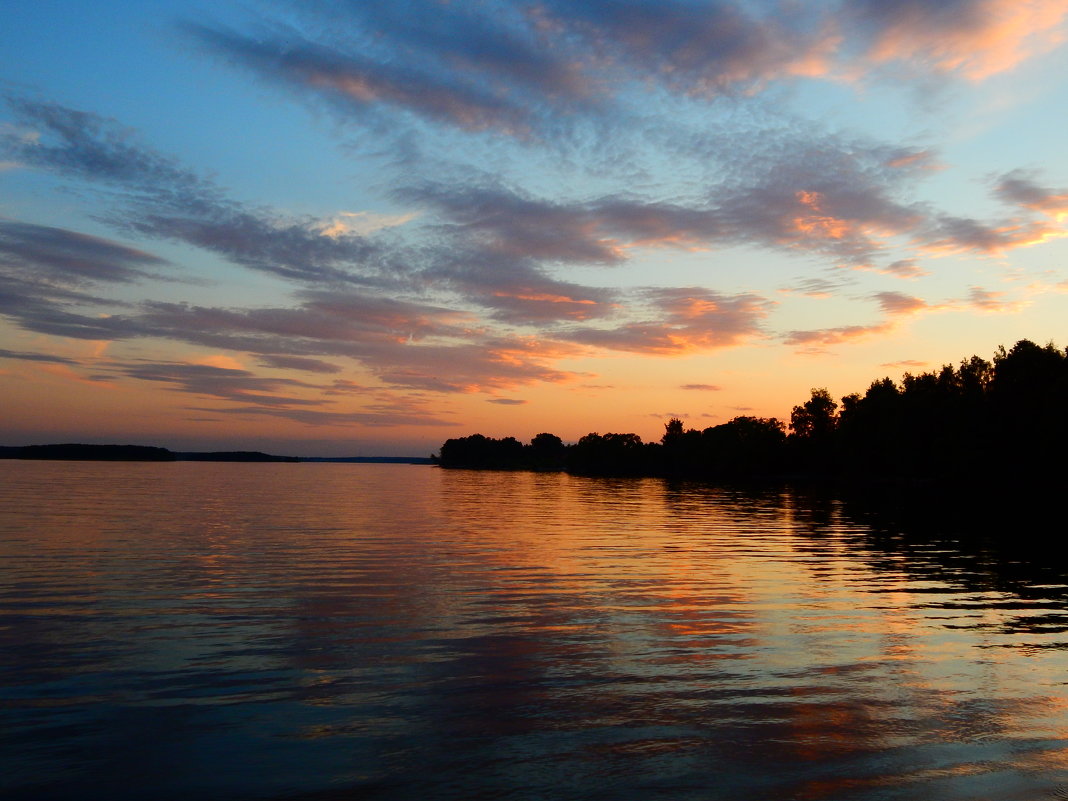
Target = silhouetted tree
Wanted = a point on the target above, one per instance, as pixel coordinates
(672, 431)
(815, 418)
(813, 425)
(744, 446)
(1028, 395)
(980, 422)
(612, 454)
(547, 452)
(478, 451)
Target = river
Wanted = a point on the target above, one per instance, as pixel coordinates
(318, 632)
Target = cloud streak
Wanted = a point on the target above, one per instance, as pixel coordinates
(70, 258)
(160, 198)
(524, 70)
(682, 320)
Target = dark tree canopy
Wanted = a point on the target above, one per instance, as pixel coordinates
(979, 421)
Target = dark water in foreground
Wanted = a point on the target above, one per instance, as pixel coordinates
(322, 631)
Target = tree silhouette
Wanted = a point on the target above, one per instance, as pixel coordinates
(815, 418)
(980, 423)
(547, 452)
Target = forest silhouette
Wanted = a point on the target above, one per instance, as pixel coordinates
(1002, 420)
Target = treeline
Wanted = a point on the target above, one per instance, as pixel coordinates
(1000, 419)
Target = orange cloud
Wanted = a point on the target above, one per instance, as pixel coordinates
(682, 320)
(818, 224)
(987, 38)
(219, 360)
(550, 306)
(895, 306)
(1019, 187)
(990, 301)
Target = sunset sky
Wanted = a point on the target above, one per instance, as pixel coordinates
(329, 228)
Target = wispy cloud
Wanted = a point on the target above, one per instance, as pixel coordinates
(299, 363)
(682, 320)
(1021, 188)
(64, 257)
(160, 198)
(354, 82)
(35, 357)
(524, 70)
(973, 38)
(895, 306)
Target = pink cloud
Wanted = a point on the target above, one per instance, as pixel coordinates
(1019, 187)
(973, 38)
(681, 320)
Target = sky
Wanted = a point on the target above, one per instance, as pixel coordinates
(361, 228)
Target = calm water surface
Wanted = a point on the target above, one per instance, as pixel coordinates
(334, 631)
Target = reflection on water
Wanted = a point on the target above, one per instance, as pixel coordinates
(321, 631)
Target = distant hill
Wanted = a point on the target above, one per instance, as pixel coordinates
(144, 453)
(95, 453)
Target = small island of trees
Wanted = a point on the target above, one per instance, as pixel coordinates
(1004, 420)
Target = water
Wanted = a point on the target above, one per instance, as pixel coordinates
(322, 631)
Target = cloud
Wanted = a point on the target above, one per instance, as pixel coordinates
(45, 307)
(681, 320)
(507, 401)
(403, 343)
(472, 42)
(894, 305)
(950, 234)
(905, 268)
(383, 417)
(897, 306)
(905, 363)
(259, 396)
(510, 224)
(225, 383)
(354, 83)
(1020, 188)
(524, 71)
(798, 192)
(702, 387)
(360, 223)
(258, 240)
(91, 147)
(898, 303)
(835, 336)
(1045, 212)
(70, 258)
(815, 287)
(973, 38)
(990, 301)
(164, 200)
(515, 291)
(36, 357)
(492, 364)
(324, 324)
(701, 50)
(299, 363)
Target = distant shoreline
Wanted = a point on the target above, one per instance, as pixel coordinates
(80, 452)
